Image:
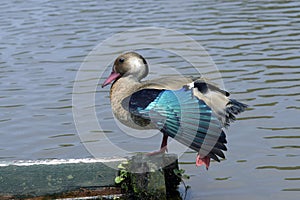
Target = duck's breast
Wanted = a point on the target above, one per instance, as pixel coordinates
(121, 89)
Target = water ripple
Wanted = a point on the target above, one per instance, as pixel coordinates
(279, 168)
(255, 45)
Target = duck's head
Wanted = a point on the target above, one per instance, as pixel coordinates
(129, 64)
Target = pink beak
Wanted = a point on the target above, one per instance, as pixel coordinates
(113, 76)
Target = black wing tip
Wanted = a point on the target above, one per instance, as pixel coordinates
(222, 138)
(216, 155)
(233, 108)
(236, 107)
(217, 152)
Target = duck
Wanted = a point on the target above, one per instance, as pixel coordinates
(192, 110)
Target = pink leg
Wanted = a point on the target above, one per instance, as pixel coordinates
(202, 161)
(163, 146)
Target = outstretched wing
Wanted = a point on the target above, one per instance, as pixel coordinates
(182, 116)
(217, 99)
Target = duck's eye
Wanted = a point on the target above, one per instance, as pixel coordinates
(121, 60)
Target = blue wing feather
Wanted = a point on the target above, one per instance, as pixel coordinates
(182, 116)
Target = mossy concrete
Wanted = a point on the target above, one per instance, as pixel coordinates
(38, 178)
(150, 177)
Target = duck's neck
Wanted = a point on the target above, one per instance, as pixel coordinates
(124, 87)
(121, 89)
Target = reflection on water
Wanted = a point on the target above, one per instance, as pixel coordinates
(254, 44)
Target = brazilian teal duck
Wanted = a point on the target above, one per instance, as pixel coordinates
(193, 111)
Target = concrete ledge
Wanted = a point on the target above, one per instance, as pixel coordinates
(147, 176)
(40, 178)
